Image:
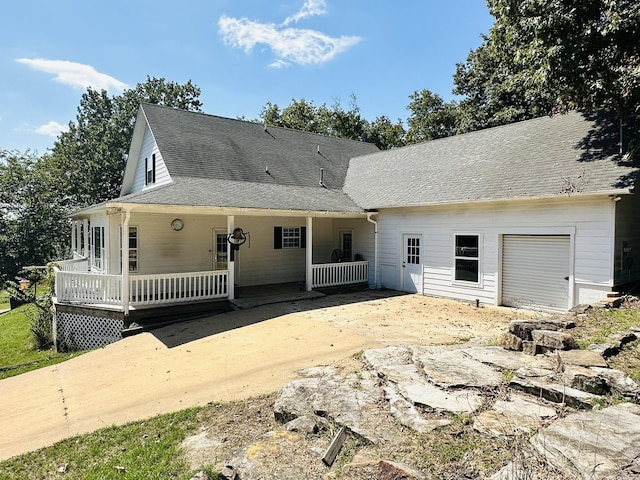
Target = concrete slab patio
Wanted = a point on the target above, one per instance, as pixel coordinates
(221, 358)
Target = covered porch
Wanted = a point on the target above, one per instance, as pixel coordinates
(136, 257)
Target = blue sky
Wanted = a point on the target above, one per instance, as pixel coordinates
(241, 53)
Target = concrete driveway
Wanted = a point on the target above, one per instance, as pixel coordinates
(221, 358)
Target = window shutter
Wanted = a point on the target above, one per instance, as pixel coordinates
(277, 238)
(153, 157)
(146, 169)
(303, 237)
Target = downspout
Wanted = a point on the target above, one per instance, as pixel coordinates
(375, 248)
(125, 262)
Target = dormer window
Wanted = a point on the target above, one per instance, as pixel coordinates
(150, 170)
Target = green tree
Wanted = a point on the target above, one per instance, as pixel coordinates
(89, 158)
(386, 134)
(546, 56)
(33, 229)
(431, 117)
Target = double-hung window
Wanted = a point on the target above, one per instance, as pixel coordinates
(467, 258)
(289, 237)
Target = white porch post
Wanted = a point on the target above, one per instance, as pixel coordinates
(85, 227)
(125, 262)
(74, 236)
(309, 249)
(231, 265)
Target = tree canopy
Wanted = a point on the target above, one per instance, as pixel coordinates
(84, 167)
(548, 56)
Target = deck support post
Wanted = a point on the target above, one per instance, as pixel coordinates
(309, 255)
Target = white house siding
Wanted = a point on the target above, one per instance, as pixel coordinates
(588, 221)
(163, 250)
(149, 148)
(627, 230)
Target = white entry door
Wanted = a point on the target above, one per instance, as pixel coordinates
(412, 263)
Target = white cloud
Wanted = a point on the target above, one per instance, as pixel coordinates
(76, 75)
(52, 129)
(305, 47)
(309, 9)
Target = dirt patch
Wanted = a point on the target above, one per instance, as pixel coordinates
(395, 319)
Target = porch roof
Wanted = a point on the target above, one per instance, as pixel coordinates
(206, 192)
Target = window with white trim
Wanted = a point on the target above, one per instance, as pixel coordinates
(467, 258)
(346, 244)
(150, 170)
(289, 237)
(98, 252)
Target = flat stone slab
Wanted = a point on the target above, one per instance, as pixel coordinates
(427, 395)
(497, 356)
(555, 392)
(377, 357)
(554, 340)
(458, 369)
(584, 358)
(599, 444)
(618, 381)
(511, 417)
(409, 416)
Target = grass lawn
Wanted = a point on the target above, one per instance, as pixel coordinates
(16, 347)
(4, 300)
(147, 449)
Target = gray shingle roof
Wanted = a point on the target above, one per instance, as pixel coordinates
(545, 157)
(192, 191)
(208, 146)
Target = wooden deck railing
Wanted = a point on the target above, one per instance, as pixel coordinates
(342, 273)
(177, 287)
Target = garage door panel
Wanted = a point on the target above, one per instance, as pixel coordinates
(535, 271)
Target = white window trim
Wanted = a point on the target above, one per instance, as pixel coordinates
(466, 283)
(298, 236)
(137, 249)
(341, 233)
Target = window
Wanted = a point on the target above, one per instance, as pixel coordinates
(98, 250)
(413, 250)
(289, 237)
(467, 259)
(150, 170)
(133, 249)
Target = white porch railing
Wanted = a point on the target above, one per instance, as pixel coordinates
(79, 264)
(343, 273)
(85, 287)
(177, 287)
(92, 288)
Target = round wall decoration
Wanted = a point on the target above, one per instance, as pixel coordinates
(177, 224)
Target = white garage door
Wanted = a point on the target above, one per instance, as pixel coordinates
(535, 271)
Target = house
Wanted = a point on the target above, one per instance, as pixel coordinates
(536, 214)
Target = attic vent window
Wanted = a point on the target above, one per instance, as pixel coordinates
(150, 170)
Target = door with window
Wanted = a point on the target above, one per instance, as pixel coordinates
(412, 263)
(220, 249)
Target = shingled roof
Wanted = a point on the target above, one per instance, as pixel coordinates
(566, 154)
(224, 162)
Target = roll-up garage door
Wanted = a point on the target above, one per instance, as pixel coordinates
(535, 271)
